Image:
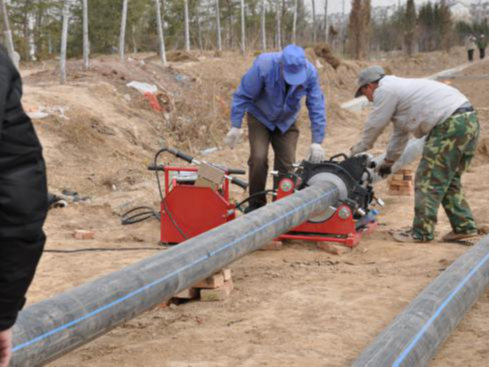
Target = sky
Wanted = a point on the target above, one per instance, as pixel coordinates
(336, 6)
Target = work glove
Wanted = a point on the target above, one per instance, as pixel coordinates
(316, 153)
(232, 138)
(357, 148)
(384, 169)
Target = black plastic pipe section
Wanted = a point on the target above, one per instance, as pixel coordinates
(49, 329)
(413, 338)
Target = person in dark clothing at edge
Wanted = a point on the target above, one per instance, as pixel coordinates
(23, 202)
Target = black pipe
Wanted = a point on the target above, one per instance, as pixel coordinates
(52, 328)
(414, 337)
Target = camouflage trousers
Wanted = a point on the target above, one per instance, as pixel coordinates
(447, 153)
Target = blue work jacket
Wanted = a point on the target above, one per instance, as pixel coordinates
(262, 94)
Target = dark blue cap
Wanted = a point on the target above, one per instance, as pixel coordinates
(294, 60)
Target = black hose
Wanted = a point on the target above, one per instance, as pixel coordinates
(140, 215)
(163, 201)
(238, 206)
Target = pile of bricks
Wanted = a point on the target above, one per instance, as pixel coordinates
(401, 183)
(217, 287)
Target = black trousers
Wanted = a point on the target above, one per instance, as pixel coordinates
(23, 209)
(284, 146)
(482, 53)
(470, 54)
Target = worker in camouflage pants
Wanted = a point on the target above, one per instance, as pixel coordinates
(446, 155)
(445, 116)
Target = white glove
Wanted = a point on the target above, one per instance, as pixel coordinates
(232, 138)
(357, 148)
(316, 153)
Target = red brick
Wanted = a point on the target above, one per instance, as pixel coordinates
(81, 234)
(215, 281)
(218, 294)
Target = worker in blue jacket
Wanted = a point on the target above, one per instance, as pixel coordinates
(270, 94)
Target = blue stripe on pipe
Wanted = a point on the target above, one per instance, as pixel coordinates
(438, 311)
(152, 284)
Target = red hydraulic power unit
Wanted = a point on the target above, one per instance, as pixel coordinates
(196, 199)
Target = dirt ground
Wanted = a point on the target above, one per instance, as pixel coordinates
(298, 306)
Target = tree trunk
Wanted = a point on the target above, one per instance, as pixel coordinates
(86, 42)
(243, 28)
(161, 36)
(199, 29)
(64, 40)
(326, 38)
(122, 36)
(218, 22)
(313, 21)
(187, 27)
(294, 22)
(263, 26)
(279, 25)
(8, 35)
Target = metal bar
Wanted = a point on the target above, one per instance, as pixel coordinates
(414, 337)
(52, 328)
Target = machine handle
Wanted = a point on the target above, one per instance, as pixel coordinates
(158, 167)
(177, 153)
(338, 155)
(240, 183)
(235, 171)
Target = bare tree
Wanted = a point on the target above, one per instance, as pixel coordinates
(218, 22)
(122, 36)
(160, 32)
(279, 25)
(313, 21)
(64, 40)
(8, 35)
(187, 27)
(326, 38)
(294, 22)
(243, 28)
(86, 41)
(263, 25)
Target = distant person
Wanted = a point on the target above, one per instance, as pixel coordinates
(270, 94)
(470, 46)
(482, 44)
(23, 202)
(424, 108)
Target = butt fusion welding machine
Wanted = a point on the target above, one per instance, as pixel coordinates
(197, 199)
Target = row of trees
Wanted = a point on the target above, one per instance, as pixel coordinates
(204, 24)
(40, 27)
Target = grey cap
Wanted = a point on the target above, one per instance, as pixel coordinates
(369, 75)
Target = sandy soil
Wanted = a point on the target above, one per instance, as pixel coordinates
(293, 307)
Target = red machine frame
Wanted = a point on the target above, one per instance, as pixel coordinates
(184, 206)
(340, 227)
